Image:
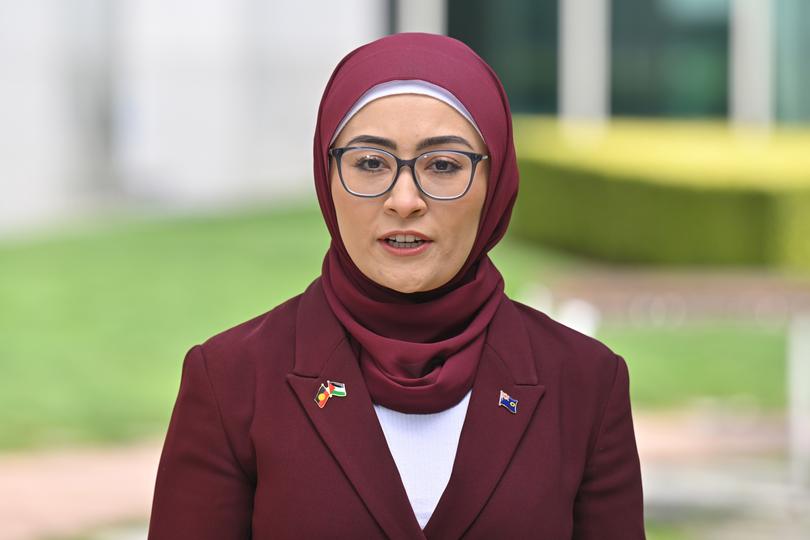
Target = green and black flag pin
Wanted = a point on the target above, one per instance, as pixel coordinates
(328, 390)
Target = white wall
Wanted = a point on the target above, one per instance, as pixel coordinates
(422, 16)
(181, 103)
(218, 98)
(584, 81)
(41, 135)
(751, 56)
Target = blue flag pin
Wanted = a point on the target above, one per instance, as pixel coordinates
(505, 400)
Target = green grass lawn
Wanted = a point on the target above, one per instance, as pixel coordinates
(94, 322)
(743, 363)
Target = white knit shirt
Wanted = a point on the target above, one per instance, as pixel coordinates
(424, 448)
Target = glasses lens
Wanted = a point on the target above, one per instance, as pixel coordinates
(444, 174)
(366, 171)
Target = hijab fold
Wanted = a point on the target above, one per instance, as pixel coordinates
(419, 351)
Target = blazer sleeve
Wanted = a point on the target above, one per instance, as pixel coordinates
(609, 503)
(201, 491)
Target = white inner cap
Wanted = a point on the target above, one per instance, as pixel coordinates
(415, 86)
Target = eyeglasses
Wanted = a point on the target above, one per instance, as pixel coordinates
(365, 171)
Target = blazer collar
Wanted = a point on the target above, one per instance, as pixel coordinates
(490, 434)
(348, 426)
(350, 429)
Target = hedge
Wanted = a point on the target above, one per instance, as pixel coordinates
(668, 192)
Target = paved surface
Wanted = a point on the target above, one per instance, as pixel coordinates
(66, 492)
(697, 465)
(669, 296)
(722, 474)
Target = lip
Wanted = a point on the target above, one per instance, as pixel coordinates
(417, 234)
(405, 252)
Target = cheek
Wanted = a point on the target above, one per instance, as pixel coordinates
(464, 225)
(353, 218)
(470, 227)
(342, 212)
(468, 219)
(475, 205)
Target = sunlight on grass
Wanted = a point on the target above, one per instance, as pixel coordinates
(94, 325)
(95, 322)
(674, 366)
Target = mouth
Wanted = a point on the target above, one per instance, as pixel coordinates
(405, 241)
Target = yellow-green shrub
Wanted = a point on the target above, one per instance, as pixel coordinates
(666, 191)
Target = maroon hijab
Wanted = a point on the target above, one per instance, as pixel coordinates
(419, 351)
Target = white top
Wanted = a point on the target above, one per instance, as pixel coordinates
(424, 449)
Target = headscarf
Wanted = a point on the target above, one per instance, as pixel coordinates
(419, 351)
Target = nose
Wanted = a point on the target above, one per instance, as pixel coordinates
(405, 199)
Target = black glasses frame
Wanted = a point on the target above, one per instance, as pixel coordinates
(337, 153)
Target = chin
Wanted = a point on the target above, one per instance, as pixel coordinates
(405, 287)
(406, 284)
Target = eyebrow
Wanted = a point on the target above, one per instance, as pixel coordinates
(424, 143)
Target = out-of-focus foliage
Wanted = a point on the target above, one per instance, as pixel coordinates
(666, 191)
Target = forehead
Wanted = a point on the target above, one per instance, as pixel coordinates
(409, 116)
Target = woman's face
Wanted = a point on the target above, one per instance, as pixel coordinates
(404, 125)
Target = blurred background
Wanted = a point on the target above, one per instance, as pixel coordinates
(155, 166)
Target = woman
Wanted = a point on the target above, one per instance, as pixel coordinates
(366, 406)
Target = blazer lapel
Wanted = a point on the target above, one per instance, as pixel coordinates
(348, 426)
(490, 433)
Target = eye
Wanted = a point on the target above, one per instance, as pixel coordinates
(443, 165)
(370, 163)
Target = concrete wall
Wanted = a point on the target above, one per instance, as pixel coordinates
(182, 103)
(44, 136)
(223, 106)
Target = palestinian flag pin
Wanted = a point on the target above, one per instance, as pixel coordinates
(328, 390)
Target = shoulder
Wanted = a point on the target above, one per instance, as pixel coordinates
(234, 358)
(266, 331)
(233, 363)
(568, 355)
(583, 377)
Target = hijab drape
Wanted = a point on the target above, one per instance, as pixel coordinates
(419, 351)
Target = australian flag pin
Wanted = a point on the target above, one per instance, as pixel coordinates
(329, 390)
(505, 400)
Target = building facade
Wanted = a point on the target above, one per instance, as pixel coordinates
(213, 102)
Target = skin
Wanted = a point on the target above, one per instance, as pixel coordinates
(406, 120)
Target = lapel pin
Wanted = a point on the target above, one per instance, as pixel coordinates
(505, 400)
(328, 390)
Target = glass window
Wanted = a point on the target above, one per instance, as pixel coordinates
(669, 57)
(518, 38)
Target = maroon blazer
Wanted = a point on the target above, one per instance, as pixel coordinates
(249, 454)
